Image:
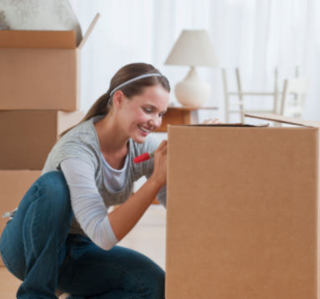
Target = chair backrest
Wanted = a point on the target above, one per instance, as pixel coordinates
(240, 94)
(294, 106)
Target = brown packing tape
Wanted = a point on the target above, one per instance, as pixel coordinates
(36, 39)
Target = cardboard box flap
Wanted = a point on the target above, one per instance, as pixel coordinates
(86, 36)
(42, 39)
(223, 125)
(285, 120)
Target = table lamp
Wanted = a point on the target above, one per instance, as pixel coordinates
(193, 48)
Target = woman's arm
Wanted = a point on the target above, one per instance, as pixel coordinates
(129, 213)
(126, 216)
(87, 204)
(104, 229)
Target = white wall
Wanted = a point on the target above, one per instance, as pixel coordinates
(253, 35)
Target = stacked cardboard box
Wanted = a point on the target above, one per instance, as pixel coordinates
(40, 70)
(39, 99)
(243, 211)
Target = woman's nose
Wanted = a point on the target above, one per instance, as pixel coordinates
(156, 121)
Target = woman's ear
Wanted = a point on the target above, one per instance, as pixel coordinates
(118, 99)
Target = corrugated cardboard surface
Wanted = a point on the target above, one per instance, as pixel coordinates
(40, 70)
(28, 136)
(39, 79)
(13, 186)
(241, 213)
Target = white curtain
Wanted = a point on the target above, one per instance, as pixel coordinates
(254, 35)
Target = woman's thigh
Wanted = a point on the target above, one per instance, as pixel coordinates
(11, 245)
(95, 273)
(48, 189)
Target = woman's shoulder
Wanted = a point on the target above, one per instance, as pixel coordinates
(80, 139)
(79, 142)
(83, 128)
(83, 133)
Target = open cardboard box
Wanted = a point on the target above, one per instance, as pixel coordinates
(14, 185)
(27, 137)
(242, 211)
(40, 70)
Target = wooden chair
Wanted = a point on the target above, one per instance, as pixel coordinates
(282, 103)
(241, 94)
(296, 88)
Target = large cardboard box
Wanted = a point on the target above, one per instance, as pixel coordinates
(28, 136)
(242, 218)
(40, 70)
(13, 186)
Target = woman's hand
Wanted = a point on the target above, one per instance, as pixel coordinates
(212, 121)
(160, 164)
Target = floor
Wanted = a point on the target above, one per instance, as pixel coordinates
(148, 237)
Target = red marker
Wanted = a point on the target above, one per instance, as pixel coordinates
(143, 157)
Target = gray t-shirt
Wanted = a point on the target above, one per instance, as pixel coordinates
(82, 143)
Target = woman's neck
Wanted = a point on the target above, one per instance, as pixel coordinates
(111, 138)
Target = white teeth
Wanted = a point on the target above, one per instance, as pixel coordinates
(144, 130)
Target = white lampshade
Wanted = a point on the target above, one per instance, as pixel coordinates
(193, 48)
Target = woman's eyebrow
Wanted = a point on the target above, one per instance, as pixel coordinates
(155, 108)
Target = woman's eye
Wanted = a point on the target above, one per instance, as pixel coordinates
(147, 110)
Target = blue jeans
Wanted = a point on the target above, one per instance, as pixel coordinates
(37, 248)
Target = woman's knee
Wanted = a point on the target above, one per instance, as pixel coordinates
(158, 283)
(53, 193)
(154, 282)
(54, 186)
(49, 211)
(54, 182)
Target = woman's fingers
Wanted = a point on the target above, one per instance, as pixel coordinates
(162, 145)
(164, 151)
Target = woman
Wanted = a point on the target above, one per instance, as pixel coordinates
(62, 236)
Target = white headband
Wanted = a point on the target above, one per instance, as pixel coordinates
(134, 79)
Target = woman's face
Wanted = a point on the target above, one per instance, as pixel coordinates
(143, 113)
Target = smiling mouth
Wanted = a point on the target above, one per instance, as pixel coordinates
(145, 130)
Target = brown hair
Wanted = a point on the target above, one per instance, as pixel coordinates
(104, 104)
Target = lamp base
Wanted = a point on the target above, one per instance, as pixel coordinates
(192, 92)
